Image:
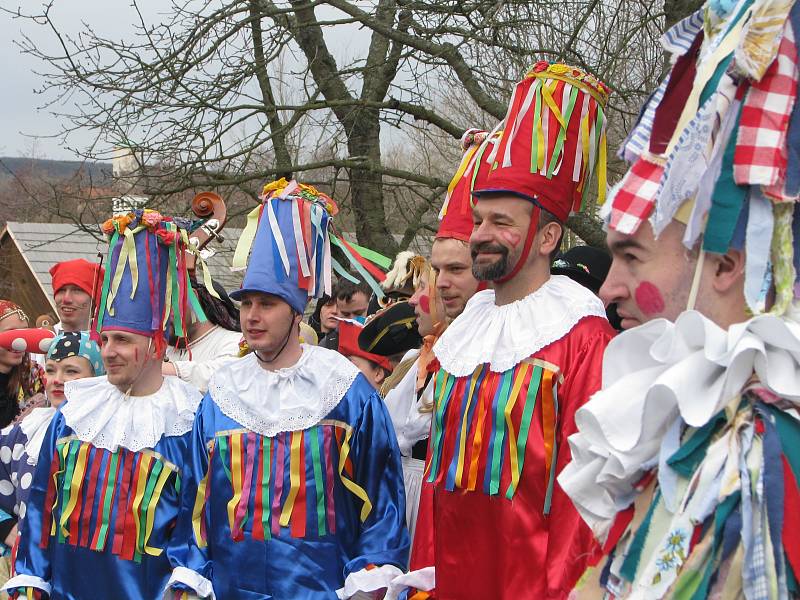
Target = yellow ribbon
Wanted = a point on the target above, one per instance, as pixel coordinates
(75, 488)
(151, 513)
(602, 162)
(61, 471)
(462, 168)
(236, 477)
(246, 240)
(141, 483)
(463, 437)
(547, 96)
(294, 478)
(512, 438)
(352, 486)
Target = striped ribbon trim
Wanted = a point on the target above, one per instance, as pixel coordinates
(95, 496)
(482, 424)
(283, 482)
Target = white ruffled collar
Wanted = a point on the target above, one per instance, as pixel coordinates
(100, 413)
(656, 373)
(505, 335)
(291, 399)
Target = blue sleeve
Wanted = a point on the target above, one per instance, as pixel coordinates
(383, 538)
(188, 549)
(32, 566)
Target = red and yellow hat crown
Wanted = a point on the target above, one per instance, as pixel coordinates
(554, 139)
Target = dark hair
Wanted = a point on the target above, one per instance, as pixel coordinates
(315, 320)
(19, 379)
(345, 290)
(220, 311)
(545, 218)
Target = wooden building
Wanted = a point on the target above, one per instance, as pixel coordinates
(28, 250)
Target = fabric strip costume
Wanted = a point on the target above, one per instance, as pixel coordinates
(685, 463)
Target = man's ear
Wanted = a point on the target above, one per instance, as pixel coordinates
(728, 270)
(379, 376)
(550, 236)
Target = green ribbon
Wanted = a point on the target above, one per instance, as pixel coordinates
(107, 500)
(525, 425)
(499, 432)
(313, 434)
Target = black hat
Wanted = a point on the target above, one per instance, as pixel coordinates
(392, 330)
(585, 264)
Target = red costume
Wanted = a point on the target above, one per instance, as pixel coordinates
(511, 377)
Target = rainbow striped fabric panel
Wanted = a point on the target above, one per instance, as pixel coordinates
(482, 424)
(105, 500)
(285, 481)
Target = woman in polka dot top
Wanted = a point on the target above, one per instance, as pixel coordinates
(72, 355)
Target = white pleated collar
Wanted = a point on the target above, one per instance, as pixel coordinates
(502, 336)
(655, 374)
(291, 399)
(99, 413)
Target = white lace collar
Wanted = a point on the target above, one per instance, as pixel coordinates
(291, 399)
(504, 335)
(101, 414)
(654, 374)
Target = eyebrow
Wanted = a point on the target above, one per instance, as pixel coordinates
(625, 244)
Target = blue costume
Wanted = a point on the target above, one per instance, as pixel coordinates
(294, 489)
(106, 489)
(291, 509)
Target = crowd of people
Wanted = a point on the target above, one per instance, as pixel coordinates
(470, 423)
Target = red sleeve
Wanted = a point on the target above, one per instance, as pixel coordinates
(571, 546)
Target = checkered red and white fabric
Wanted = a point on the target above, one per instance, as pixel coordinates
(760, 157)
(635, 196)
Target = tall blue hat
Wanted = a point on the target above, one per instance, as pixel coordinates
(288, 241)
(146, 287)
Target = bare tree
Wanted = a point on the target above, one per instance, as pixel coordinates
(225, 95)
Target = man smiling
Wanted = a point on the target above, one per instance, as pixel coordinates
(104, 497)
(76, 284)
(518, 362)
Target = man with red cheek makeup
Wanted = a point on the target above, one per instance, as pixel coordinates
(685, 462)
(520, 359)
(104, 497)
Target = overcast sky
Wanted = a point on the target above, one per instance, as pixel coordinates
(21, 117)
(23, 124)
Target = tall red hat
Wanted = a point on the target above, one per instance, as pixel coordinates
(86, 275)
(554, 140)
(456, 214)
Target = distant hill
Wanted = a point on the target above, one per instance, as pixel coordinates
(52, 170)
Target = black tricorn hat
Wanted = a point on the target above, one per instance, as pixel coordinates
(390, 331)
(585, 264)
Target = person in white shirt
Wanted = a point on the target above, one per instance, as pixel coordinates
(210, 344)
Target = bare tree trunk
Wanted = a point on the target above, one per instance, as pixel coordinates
(675, 10)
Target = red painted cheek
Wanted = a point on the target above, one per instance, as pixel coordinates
(649, 299)
(136, 354)
(512, 237)
(425, 304)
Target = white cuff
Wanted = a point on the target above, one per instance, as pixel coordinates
(193, 579)
(19, 581)
(423, 579)
(370, 580)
